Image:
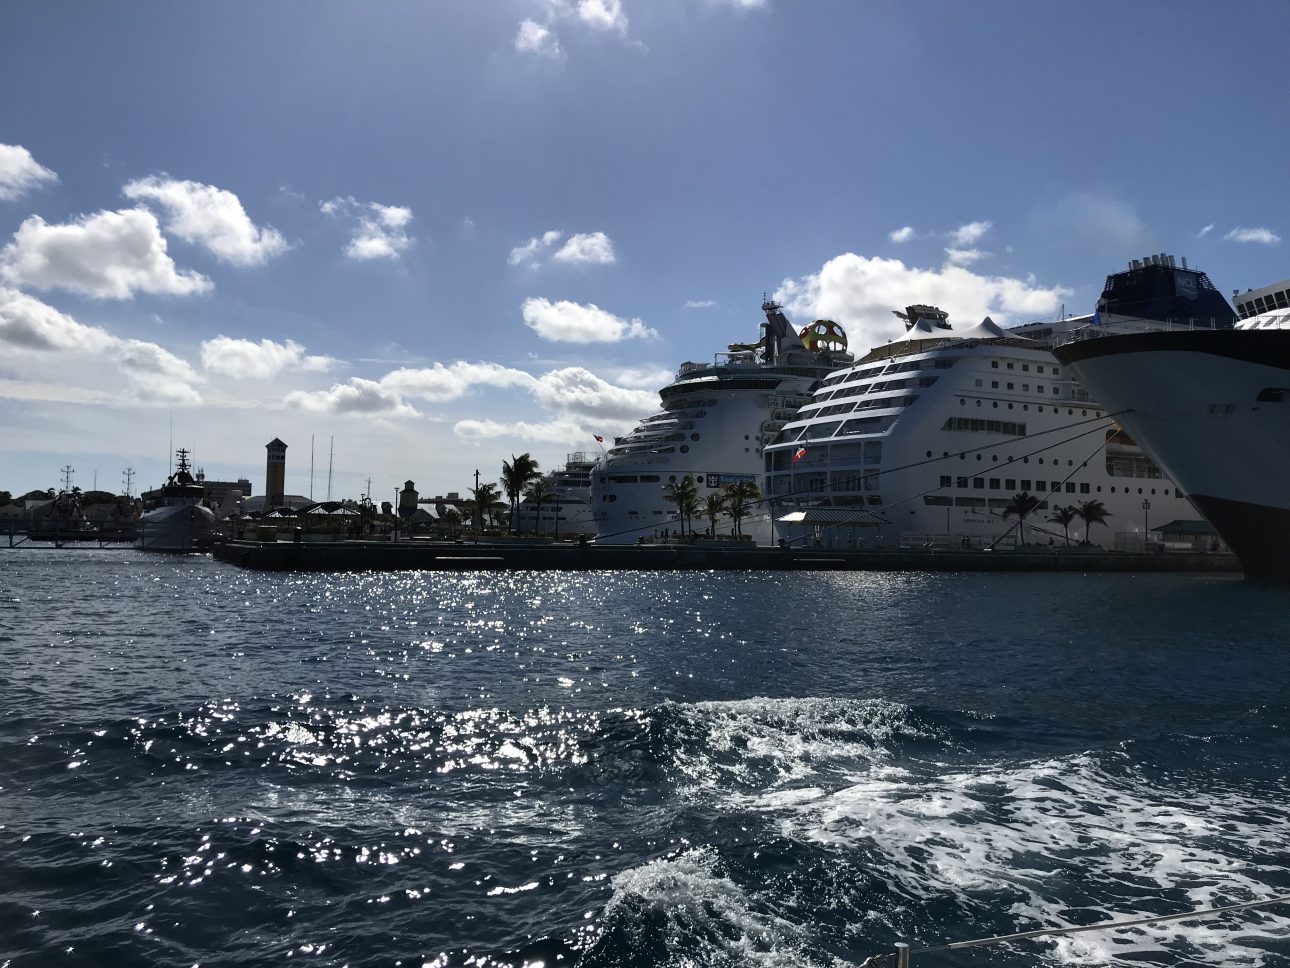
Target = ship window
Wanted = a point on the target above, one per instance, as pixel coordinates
(1025, 367)
(994, 483)
(1011, 386)
(1083, 488)
(1070, 487)
(978, 483)
(1025, 387)
(685, 448)
(934, 500)
(1010, 366)
(1025, 484)
(945, 480)
(1009, 483)
(994, 364)
(979, 382)
(961, 482)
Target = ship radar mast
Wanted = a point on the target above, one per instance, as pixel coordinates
(938, 318)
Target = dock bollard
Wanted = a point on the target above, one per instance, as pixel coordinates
(902, 955)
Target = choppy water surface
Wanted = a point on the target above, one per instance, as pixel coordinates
(204, 765)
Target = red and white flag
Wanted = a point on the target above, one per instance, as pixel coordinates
(599, 439)
(799, 454)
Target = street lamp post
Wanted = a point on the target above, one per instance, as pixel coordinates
(1146, 528)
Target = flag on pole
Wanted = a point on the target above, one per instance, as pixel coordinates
(799, 454)
(599, 439)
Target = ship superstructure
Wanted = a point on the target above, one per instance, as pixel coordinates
(715, 420)
(930, 439)
(174, 517)
(565, 509)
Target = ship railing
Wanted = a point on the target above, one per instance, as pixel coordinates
(902, 956)
(1112, 325)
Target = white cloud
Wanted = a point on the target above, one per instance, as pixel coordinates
(211, 217)
(533, 38)
(530, 250)
(571, 322)
(1205, 231)
(902, 234)
(604, 15)
(588, 248)
(644, 377)
(243, 358)
(965, 257)
(357, 396)
(744, 4)
(699, 304)
(381, 230)
(21, 173)
(438, 383)
(560, 431)
(1084, 220)
(860, 293)
(108, 255)
(1260, 235)
(971, 233)
(27, 323)
(578, 391)
(154, 373)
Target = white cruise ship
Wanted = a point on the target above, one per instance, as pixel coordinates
(1210, 405)
(927, 440)
(566, 509)
(715, 420)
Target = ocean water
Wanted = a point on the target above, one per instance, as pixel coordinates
(202, 765)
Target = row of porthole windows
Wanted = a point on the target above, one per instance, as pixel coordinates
(1026, 406)
(1025, 367)
(1010, 484)
(1025, 460)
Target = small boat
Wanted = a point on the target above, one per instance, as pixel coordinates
(174, 518)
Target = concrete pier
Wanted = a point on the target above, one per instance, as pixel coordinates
(505, 556)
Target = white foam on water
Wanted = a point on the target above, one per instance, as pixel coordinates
(706, 918)
(1052, 843)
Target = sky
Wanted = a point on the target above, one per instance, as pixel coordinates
(427, 236)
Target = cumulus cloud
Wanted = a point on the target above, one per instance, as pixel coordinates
(964, 257)
(21, 173)
(860, 293)
(604, 15)
(210, 217)
(570, 322)
(244, 358)
(380, 231)
(560, 431)
(154, 373)
(27, 323)
(902, 234)
(1260, 235)
(1205, 231)
(591, 247)
(108, 255)
(971, 233)
(438, 383)
(575, 390)
(357, 396)
(534, 247)
(533, 38)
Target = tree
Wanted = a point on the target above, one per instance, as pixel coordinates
(537, 492)
(739, 496)
(5, 498)
(485, 496)
(712, 508)
(685, 496)
(1021, 505)
(1091, 513)
(517, 475)
(1064, 516)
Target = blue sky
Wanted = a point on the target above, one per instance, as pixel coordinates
(443, 233)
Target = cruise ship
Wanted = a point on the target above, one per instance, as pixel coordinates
(928, 440)
(715, 420)
(1210, 406)
(566, 508)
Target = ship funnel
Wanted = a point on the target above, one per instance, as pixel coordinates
(1184, 258)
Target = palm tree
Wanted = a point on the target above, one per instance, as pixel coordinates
(685, 496)
(516, 476)
(1064, 516)
(1091, 513)
(537, 492)
(1021, 505)
(739, 496)
(712, 508)
(485, 496)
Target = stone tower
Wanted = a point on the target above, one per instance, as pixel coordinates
(275, 474)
